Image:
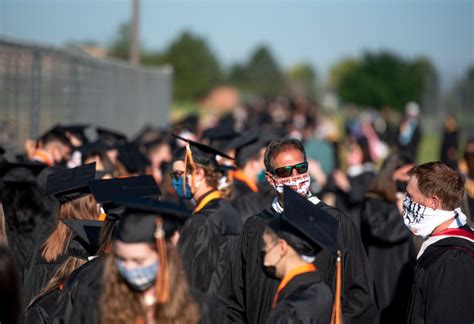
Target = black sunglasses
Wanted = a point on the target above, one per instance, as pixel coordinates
(286, 171)
(176, 175)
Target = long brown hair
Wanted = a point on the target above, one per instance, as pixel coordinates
(56, 244)
(120, 304)
(63, 272)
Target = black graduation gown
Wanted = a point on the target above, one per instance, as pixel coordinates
(304, 299)
(351, 202)
(36, 274)
(206, 241)
(389, 246)
(247, 292)
(80, 296)
(21, 243)
(40, 310)
(247, 202)
(443, 288)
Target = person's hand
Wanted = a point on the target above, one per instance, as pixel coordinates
(30, 147)
(341, 180)
(400, 197)
(316, 172)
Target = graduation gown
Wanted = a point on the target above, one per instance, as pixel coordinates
(36, 274)
(40, 310)
(351, 202)
(304, 299)
(21, 243)
(390, 250)
(80, 296)
(206, 241)
(247, 202)
(443, 288)
(247, 292)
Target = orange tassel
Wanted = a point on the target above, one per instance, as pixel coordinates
(188, 158)
(336, 317)
(162, 275)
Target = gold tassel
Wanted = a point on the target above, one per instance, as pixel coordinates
(188, 158)
(162, 275)
(336, 317)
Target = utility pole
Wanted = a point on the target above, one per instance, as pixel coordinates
(134, 52)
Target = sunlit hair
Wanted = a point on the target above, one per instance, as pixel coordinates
(57, 243)
(120, 304)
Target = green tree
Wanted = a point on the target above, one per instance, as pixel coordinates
(302, 80)
(380, 79)
(196, 68)
(119, 48)
(264, 74)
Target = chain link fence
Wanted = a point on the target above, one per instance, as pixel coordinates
(41, 86)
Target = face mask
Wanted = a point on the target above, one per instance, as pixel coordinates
(422, 220)
(401, 186)
(178, 187)
(299, 183)
(139, 279)
(270, 271)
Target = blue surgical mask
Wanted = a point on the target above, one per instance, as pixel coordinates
(178, 187)
(139, 279)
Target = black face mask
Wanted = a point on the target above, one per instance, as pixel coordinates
(270, 271)
(401, 186)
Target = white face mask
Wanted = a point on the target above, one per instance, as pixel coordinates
(422, 220)
(299, 183)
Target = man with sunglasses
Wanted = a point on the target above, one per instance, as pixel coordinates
(247, 291)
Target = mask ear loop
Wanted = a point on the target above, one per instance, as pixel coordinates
(188, 158)
(162, 275)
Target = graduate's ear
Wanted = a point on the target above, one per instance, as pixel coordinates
(269, 178)
(435, 203)
(283, 247)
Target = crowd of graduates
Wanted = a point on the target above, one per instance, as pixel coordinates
(264, 215)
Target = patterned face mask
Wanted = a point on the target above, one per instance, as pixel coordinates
(422, 220)
(299, 183)
(139, 279)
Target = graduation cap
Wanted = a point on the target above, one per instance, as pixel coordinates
(108, 190)
(306, 227)
(95, 148)
(188, 123)
(132, 159)
(111, 137)
(57, 133)
(200, 153)
(20, 172)
(86, 241)
(70, 184)
(249, 144)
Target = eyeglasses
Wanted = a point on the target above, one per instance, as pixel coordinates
(176, 175)
(286, 171)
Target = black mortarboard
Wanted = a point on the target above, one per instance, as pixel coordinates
(201, 153)
(87, 238)
(309, 226)
(138, 221)
(111, 137)
(70, 184)
(107, 190)
(132, 159)
(249, 144)
(95, 148)
(220, 136)
(55, 133)
(20, 172)
(189, 123)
